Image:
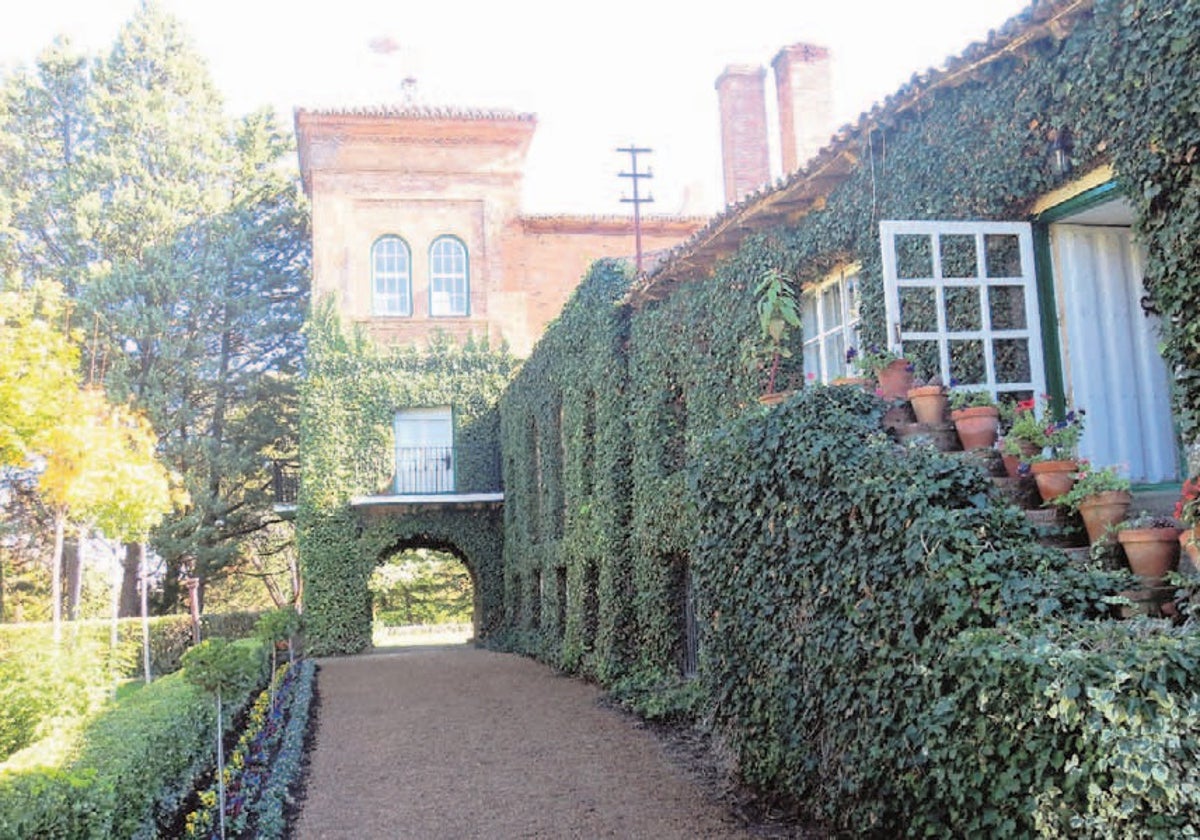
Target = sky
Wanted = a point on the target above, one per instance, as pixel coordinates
(597, 75)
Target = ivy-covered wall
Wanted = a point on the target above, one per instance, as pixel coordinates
(606, 435)
(350, 395)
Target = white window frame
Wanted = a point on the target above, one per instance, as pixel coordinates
(846, 278)
(449, 283)
(1027, 280)
(391, 277)
(424, 450)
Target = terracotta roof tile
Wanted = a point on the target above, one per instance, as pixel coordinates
(420, 112)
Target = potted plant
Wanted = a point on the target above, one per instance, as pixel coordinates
(1100, 496)
(1151, 545)
(778, 315)
(929, 401)
(1187, 511)
(853, 377)
(893, 373)
(1055, 468)
(976, 417)
(1023, 436)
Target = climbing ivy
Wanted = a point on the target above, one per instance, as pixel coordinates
(350, 394)
(615, 411)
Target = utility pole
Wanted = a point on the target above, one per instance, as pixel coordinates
(637, 201)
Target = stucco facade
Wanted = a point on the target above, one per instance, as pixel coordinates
(423, 176)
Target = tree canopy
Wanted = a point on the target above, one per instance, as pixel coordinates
(181, 236)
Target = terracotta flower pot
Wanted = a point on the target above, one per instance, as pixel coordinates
(775, 397)
(1054, 477)
(859, 381)
(1102, 510)
(1189, 546)
(978, 426)
(1012, 463)
(1151, 552)
(895, 380)
(929, 403)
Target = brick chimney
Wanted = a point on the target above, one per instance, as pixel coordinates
(741, 95)
(805, 90)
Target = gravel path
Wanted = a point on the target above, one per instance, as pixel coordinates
(456, 742)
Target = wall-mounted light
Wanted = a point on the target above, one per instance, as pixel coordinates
(1059, 153)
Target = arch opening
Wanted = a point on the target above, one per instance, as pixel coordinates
(423, 591)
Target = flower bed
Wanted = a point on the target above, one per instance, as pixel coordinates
(264, 764)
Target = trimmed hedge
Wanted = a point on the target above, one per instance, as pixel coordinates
(38, 685)
(137, 764)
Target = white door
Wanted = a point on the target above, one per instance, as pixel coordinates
(424, 451)
(962, 303)
(1113, 369)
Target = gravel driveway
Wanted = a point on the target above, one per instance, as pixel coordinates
(456, 742)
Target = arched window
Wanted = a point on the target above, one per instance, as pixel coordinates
(391, 277)
(449, 289)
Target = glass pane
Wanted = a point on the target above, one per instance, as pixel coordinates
(914, 256)
(967, 366)
(809, 320)
(831, 306)
(835, 354)
(962, 309)
(924, 358)
(1012, 360)
(918, 309)
(1007, 305)
(1003, 255)
(958, 255)
(812, 361)
(852, 297)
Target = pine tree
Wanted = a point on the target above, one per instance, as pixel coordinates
(187, 250)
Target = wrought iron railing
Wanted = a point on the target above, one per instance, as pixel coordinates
(423, 470)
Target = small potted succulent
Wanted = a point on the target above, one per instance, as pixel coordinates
(1101, 496)
(893, 373)
(1187, 511)
(976, 417)
(1151, 545)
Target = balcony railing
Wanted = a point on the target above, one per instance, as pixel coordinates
(423, 470)
(407, 471)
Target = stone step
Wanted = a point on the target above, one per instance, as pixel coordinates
(1055, 528)
(1158, 501)
(1079, 556)
(1020, 491)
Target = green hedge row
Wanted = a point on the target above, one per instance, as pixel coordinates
(39, 683)
(885, 644)
(137, 764)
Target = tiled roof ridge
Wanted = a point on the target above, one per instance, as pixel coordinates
(612, 217)
(420, 112)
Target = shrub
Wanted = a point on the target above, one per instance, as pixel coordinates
(138, 762)
(836, 571)
(1084, 731)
